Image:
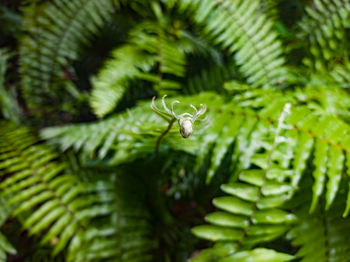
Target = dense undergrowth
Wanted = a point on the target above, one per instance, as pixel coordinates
(90, 172)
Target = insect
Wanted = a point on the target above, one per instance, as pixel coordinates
(185, 120)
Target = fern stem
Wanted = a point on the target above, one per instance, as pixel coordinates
(163, 134)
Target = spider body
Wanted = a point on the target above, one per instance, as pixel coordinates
(186, 127)
(185, 120)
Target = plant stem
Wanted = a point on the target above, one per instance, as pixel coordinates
(163, 134)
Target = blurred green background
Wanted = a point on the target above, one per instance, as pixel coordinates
(93, 169)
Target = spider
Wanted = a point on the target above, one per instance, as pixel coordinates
(186, 120)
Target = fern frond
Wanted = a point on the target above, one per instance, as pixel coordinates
(129, 135)
(148, 45)
(113, 80)
(52, 200)
(252, 213)
(321, 134)
(237, 122)
(312, 132)
(324, 232)
(211, 79)
(222, 253)
(246, 33)
(56, 31)
(5, 246)
(127, 234)
(11, 23)
(198, 46)
(340, 74)
(240, 123)
(8, 103)
(165, 46)
(270, 8)
(324, 26)
(134, 221)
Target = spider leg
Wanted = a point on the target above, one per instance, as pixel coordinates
(172, 109)
(165, 116)
(195, 109)
(203, 109)
(185, 114)
(204, 123)
(207, 123)
(153, 105)
(164, 105)
(205, 119)
(200, 112)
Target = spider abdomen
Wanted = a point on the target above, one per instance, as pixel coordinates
(186, 127)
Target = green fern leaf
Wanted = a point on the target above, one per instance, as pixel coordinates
(148, 45)
(128, 234)
(5, 246)
(324, 130)
(222, 253)
(247, 219)
(321, 231)
(239, 27)
(309, 129)
(211, 79)
(37, 185)
(56, 31)
(326, 42)
(112, 81)
(129, 135)
(8, 104)
(252, 212)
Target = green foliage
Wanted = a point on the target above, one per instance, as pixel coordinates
(148, 45)
(122, 138)
(155, 55)
(252, 213)
(211, 79)
(5, 246)
(324, 26)
(322, 231)
(267, 169)
(125, 65)
(38, 184)
(311, 136)
(241, 29)
(55, 33)
(127, 233)
(222, 254)
(8, 103)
